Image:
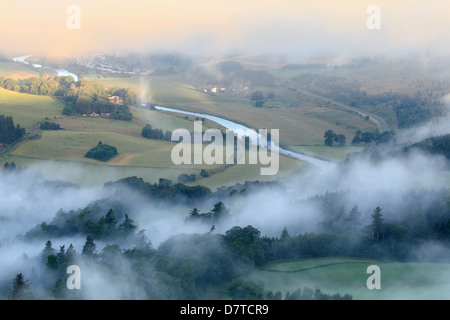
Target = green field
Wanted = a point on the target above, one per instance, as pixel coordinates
(27, 109)
(302, 121)
(146, 158)
(329, 153)
(341, 275)
(136, 153)
(73, 145)
(17, 71)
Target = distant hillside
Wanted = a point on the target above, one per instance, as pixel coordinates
(433, 145)
(439, 145)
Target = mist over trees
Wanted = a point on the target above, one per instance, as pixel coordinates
(209, 244)
(186, 265)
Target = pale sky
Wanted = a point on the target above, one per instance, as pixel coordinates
(293, 27)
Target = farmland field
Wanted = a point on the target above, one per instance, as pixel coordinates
(28, 109)
(342, 275)
(17, 71)
(146, 158)
(329, 153)
(302, 121)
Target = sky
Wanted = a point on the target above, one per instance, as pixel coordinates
(207, 27)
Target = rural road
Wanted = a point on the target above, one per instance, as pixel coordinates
(382, 125)
(16, 143)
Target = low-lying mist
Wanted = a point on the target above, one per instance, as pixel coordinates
(303, 203)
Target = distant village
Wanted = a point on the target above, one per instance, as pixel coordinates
(100, 63)
(224, 90)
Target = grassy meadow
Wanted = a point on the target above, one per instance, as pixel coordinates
(147, 158)
(302, 121)
(27, 109)
(349, 276)
(17, 71)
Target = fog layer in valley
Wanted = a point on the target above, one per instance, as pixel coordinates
(27, 199)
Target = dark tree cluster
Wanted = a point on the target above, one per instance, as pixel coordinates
(410, 111)
(102, 152)
(9, 132)
(330, 137)
(433, 145)
(367, 137)
(218, 213)
(47, 125)
(240, 289)
(186, 178)
(149, 133)
(87, 222)
(164, 190)
(258, 97)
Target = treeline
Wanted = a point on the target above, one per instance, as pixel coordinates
(411, 111)
(369, 136)
(366, 137)
(438, 145)
(185, 266)
(8, 131)
(164, 190)
(47, 125)
(87, 222)
(433, 145)
(423, 216)
(391, 234)
(189, 178)
(80, 97)
(218, 213)
(149, 133)
(240, 289)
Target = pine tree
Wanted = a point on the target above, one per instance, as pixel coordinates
(61, 255)
(60, 290)
(71, 255)
(127, 226)
(285, 234)
(110, 222)
(89, 248)
(52, 262)
(48, 250)
(142, 243)
(377, 225)
(20, 288)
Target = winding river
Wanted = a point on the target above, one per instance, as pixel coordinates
(239, 129)
(59, 72)
(324, 166)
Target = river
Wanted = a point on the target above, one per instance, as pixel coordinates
(324, 166)
(59, 72)
(239, 129)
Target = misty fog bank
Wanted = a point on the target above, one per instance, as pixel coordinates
(411, 189)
